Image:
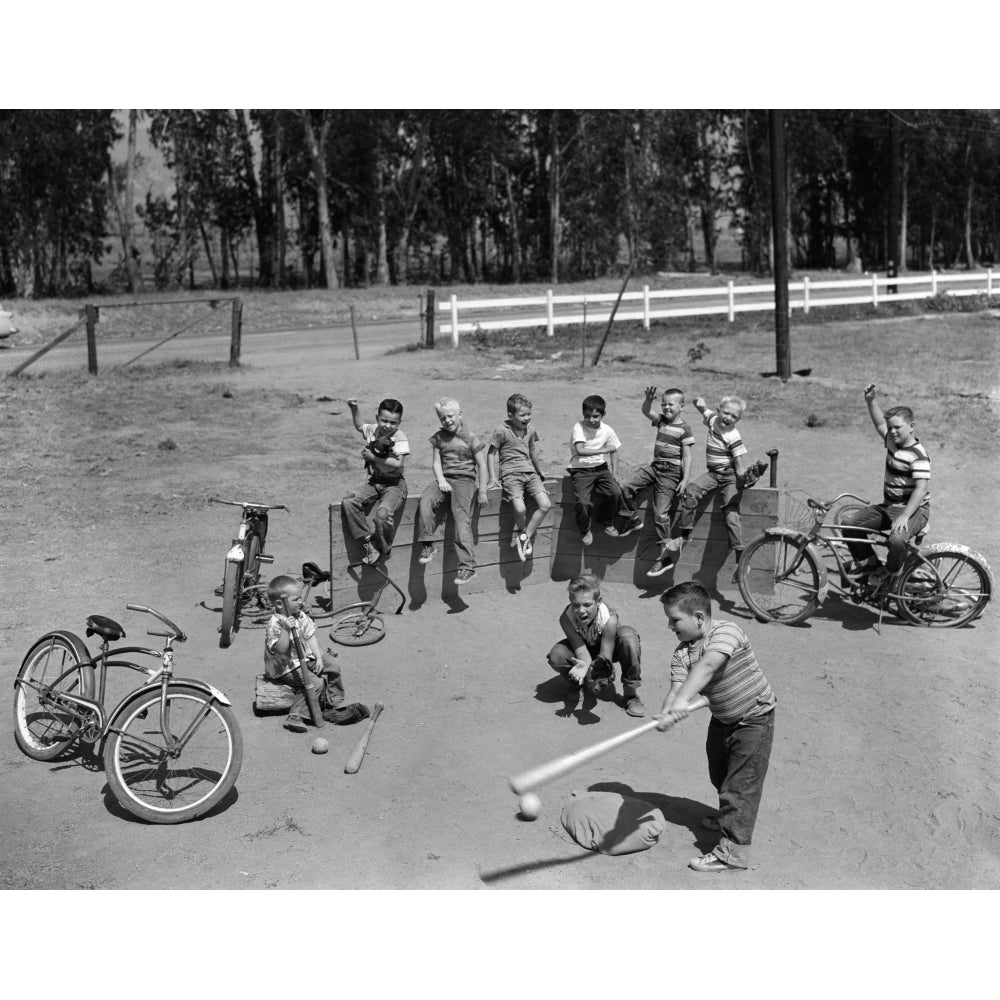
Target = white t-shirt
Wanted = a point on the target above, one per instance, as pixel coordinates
(593, 439)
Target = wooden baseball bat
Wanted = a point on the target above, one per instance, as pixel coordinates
(353, 764)
(535, 777)
(305, 675)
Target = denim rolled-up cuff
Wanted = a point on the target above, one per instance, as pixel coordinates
(736, 855)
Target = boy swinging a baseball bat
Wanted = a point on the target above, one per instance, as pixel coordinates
(714, 660)
(281, 664)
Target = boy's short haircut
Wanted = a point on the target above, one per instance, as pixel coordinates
(446, 402)
(595, 403)
(390, 406)
(280, 584)
(516, 401)
(689, 597)
(672, 392)
(899, 411)
(734, 401)
(586, 582)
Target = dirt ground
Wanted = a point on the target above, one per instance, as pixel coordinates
(885, 760)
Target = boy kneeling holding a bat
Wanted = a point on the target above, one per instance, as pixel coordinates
(281, 663)
(714, 660)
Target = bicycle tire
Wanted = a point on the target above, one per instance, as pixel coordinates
(231, 587)
(153, 785)
(40, 731)
(768, 592)
(358, 628)
(954, 594)
(251, 564)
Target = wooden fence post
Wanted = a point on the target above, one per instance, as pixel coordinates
(429, 319)
(237, 335)
(92, 317)
(354, 331)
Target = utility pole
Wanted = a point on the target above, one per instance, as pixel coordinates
(779, 231)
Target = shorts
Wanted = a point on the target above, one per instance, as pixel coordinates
(516, 484)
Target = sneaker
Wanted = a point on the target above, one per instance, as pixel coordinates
(711, 823)
(427, 553)
(527, 546)
(372, 554)
(521, 542)
(464, 575)
(295, 723)
(635, 707)
(588, 539)
(660, 566)
(710, 862)
(611, 530)
(633, 524)
(673, 545)
(863, 567)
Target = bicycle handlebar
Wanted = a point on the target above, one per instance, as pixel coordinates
(247, 503)
(174, 633)
(825, 505)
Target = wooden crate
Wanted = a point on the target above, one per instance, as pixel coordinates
(558, 555)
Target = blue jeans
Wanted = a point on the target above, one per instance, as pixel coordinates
(723, 480)
(463, 491)
(627, 654)
(664, 479)
(738, 755)
(597, 494)
(879, 517)
(370, 512)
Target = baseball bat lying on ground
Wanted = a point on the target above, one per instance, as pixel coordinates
(353, 764)
(535, 777)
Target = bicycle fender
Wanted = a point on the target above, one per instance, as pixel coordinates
(797, 536)
(236, 553)
(155, 686)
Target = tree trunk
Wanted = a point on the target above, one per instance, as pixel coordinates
(554, 190)
(904, 201)
(515, 237)
(208, 253)
(317, 152)
(126, 216)
(261, 217)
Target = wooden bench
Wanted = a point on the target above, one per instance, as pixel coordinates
(559, 553)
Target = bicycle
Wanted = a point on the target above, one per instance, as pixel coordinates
(784, 574)
(357, 624)
(241, 586)
(172, 748)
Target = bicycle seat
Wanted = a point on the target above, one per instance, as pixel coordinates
(312, 574)
(106, 628)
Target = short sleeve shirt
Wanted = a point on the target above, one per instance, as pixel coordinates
(903, 467)
(458, 452)
(400, 448)
(595, 438)
(721, 446)
(671, 439)
(278, 665)
(738, 689)
(513, 450)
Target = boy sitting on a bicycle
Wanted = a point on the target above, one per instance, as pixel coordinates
(281, 665)
(370, 510)
(906, 500)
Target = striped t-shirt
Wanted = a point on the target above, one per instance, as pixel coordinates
(722, 445)
(903, 467)
(738, 689)
(670, 439)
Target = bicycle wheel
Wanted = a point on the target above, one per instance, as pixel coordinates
(953, 590)
(56, 663)
(358, 628)
(161, 785)
(251, 565)
(779, 580)
(232, 584)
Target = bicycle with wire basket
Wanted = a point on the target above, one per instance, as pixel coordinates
(786, 573)
(357, 624)
(172, 748)
(241, 590)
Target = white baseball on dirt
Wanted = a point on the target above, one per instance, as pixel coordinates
(530, 805)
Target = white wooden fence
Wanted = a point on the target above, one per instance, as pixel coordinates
(730, 299)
